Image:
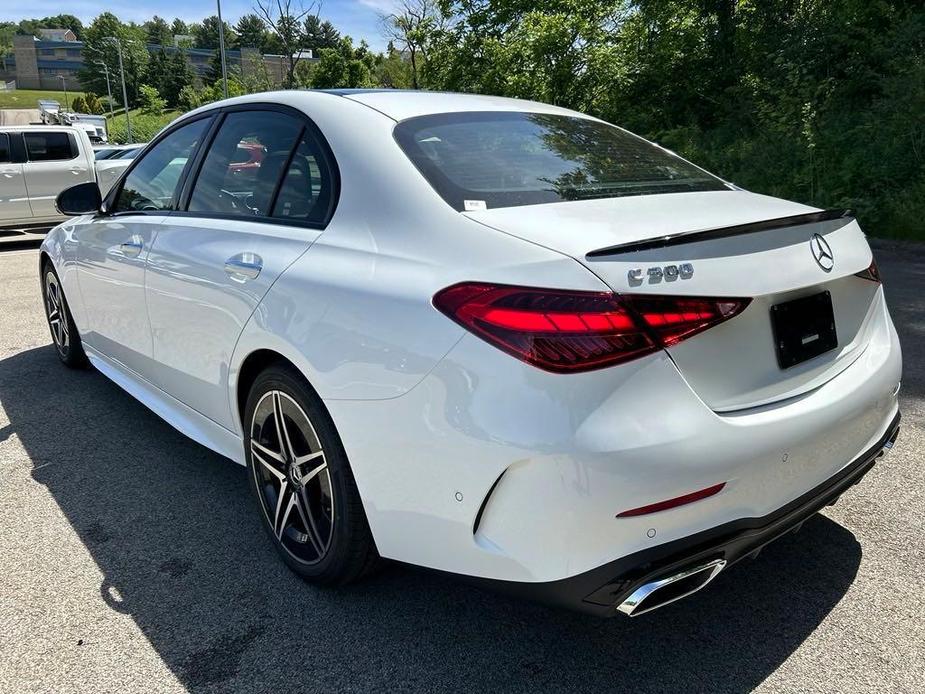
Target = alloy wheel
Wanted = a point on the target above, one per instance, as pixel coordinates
(292, 476)
(57, 313)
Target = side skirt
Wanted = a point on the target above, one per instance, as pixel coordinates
(184, 419)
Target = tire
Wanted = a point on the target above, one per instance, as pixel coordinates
(64, 333)
(305, 492)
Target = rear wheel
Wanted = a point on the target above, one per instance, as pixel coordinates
(63, 331)
(305, 489)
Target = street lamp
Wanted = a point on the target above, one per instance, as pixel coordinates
(64, 87)
(128, 122)
(108, 88)
(221, 48)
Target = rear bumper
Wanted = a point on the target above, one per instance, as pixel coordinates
(602, 590)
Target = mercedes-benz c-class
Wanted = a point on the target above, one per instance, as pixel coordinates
(486, 336)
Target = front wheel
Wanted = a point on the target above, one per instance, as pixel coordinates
(308, 500)
(63, 331)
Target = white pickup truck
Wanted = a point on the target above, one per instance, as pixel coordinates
(36, 163)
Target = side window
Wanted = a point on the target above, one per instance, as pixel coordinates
(240, 173)
(4, 148)
(151, 184)
(307, 189)
(50, 146)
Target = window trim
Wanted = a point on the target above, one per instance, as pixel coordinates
(113, 195)
(308, 125)
(9, 148)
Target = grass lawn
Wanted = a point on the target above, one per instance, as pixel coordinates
(29, 98)
(144, 125)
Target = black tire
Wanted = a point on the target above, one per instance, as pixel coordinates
(324, 508)
(64, 333)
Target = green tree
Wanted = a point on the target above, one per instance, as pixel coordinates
(251, 32)
(285, 22)
(181, 76)
(179, 27)
(93, 103)
(150, 100)
(320, 34)
(330, 72)
(158, 31)
(189, 98)
(393, 71)
(158, 71)
(411, 28)
(30, 27)
(206, 34)
(99, 48)
(79, 104)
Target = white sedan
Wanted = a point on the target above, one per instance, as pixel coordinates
(487, 336)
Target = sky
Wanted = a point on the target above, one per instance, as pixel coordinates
(357, 18)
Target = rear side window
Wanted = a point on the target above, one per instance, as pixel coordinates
(481, 160)
(50, 146)
(4, 148)
(245, 163)
(152, 183)
(307, 191)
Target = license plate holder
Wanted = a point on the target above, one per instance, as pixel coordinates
(803, 328)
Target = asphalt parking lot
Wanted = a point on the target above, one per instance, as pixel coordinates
(131, 560)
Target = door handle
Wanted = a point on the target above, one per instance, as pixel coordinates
(244, 265)
(132, 248)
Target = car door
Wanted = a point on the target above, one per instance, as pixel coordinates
(14, 200)
(212, 262)
(54, 162)
(113, 247)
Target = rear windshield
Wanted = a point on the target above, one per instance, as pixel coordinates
(482, 160)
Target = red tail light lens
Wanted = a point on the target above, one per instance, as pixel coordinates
(872, 273)
(570, 331)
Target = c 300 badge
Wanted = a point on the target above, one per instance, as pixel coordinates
(657, 273)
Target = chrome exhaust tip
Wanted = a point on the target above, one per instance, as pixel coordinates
(650, 596)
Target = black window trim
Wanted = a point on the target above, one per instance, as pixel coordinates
(309, 126)
(9, 148)
(113, 195)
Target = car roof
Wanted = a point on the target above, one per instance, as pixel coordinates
(408, 103)
(397, 104)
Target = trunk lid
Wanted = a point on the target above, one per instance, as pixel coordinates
(734, 365)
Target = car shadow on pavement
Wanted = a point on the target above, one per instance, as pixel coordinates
(174, 531)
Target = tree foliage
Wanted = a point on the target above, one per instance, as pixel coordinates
(101, 40)
(206, 33)
(285, 20)
(819, 101)
(158, 31)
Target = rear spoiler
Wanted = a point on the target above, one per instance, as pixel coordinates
(722, 232)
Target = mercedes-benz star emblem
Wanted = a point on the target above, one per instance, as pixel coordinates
(822, 252)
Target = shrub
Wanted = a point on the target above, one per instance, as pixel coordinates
(151, 101)
(189, 98)
(79, 104)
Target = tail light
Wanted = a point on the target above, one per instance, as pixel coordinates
(570, 331)
(872, 272)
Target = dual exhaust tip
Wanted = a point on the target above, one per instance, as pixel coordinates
(654, 594)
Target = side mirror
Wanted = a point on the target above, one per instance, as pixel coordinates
(80, 199)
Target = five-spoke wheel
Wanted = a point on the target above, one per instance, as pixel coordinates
(308, 498)
(292, 474)
(63, 331)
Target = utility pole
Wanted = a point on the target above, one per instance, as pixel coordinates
(128, 122)
(221, 48)
(108, 88)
